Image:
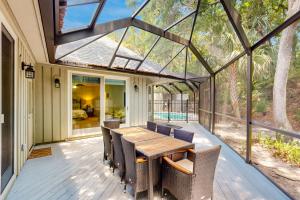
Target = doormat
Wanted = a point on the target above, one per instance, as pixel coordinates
(38, 153)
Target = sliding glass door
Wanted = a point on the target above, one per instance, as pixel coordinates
(115, 100)
(85, 104)
(7, 128)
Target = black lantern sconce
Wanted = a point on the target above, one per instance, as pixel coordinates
(136, 88)
(29, 71)
(57, 83)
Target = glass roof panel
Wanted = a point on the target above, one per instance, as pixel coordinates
(183, 87)
(163, 13)
(80, 2)
(118, 9)
(119, 62)
(194, 68)
(98, 52)
(132, 64)
(259, 18)
(160, 55)
(79, 16)
(64, 49)
(214, 36)
(184, 28)
(138, 41)
(177, 66)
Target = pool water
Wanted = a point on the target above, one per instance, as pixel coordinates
(173, 116)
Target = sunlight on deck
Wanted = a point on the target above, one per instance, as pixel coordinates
(75, 171)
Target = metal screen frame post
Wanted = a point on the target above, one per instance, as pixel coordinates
(187, 111)
(249, 107)
(168, 110)
(212, 103)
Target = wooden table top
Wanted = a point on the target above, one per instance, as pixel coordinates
(130, 130)
(152, 144)
(162, 146)
(137, 134)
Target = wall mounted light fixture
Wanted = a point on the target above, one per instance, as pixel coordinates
(57, 83)
(29, 71)
(136, 88)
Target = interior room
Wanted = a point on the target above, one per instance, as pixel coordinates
(85, 102)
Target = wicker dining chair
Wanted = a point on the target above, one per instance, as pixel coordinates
(118, 158)
(183, 135)
(196, 174)
(165, 130)
(107, 142)
(112, 124)
(136, 174)
(151, 126)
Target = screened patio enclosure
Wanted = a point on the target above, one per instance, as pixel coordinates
(238, 60)
(175, 101)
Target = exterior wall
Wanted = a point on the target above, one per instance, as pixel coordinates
(24, 91)
(51, 104)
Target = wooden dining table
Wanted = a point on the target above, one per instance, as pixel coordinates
(152, 145)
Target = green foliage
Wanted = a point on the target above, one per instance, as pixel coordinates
(120, 113)
(261, 106)
(286, 151)
(298, 115)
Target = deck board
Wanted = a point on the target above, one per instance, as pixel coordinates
(76, 171)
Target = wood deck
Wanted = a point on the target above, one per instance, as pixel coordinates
(75, 171)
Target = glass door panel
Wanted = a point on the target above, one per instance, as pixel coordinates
(7, 156)
(115, 100)
(85, 104)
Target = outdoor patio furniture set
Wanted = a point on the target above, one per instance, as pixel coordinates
(147, 157)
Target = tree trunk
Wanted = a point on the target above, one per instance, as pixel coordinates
(282, 69)
(234, 97)
(225, 100)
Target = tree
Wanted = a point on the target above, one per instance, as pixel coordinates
(282, 69)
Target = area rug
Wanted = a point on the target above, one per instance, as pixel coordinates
(38, 153)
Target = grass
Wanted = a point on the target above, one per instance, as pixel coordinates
(281, 147)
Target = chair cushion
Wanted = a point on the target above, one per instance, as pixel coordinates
(186, 163)
(141, 159)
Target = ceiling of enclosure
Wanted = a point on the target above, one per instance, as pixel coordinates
(185, 39)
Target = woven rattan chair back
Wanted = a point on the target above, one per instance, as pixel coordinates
(106, 142)
(204, 168)
(130, 161)
(119, 161)
(151, 126)
(165, 130)
(112, 124)
(183, 135)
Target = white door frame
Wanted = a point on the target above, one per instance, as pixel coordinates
(102, 95)
(4, 23)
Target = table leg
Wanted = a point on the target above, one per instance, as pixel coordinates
(150, 179)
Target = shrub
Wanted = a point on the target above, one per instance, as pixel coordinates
(286, 151)
(261, 106)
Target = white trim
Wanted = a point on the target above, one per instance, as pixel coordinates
(8, 186)
(4, 22)
(41, 30)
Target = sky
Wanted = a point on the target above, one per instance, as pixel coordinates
(80, 16)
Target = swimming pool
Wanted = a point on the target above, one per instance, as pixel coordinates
(173, 116)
